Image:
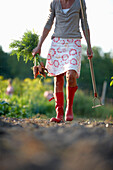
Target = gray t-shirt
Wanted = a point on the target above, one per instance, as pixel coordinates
(66, 25)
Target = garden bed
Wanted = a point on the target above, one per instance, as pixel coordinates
(82, 144)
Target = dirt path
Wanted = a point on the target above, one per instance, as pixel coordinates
(37, 144)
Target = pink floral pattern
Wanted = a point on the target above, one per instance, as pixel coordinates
(65, 57)
(70, 40)
(52, 52)
(73, 61)
(64, 54)
(49, 57)
(77, 43)
(50, 63)
(73, 52)
(56, 39)
(56, 63)
(59, 50)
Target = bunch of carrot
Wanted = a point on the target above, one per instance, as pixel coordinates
(39, 70)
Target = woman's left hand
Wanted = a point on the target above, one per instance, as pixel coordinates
(90, 55)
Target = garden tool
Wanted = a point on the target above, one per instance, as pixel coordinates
(97, 101)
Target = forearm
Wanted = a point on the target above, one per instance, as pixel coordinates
(89, 49)
(87, 37)
(43, 37)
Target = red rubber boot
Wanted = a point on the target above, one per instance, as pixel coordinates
(69, 108)
(59, 100)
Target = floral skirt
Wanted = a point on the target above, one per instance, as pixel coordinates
(64, 55)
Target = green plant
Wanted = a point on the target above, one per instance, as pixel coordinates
(111, 83)
(28, 101)
(3, 107)
(23, 48)
(83, 107)
(28, 98)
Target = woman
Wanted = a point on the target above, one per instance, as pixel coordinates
(64, 57)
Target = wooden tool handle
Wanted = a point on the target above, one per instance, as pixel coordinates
(88, 45)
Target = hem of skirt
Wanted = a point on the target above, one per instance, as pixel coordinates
(53, 75)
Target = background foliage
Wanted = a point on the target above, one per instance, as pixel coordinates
(103, 69)
(28, 100)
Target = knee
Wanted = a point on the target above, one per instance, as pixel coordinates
(71, 77)
(59, 80)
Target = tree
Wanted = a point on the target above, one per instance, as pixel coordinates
(4, 67)
(11, 68)
(103, 69)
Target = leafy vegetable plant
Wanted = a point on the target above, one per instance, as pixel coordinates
(24, 47)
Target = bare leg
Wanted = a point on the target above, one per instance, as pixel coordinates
(58, 83)
(71, 76)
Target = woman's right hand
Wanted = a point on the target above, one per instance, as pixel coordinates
(36, 50)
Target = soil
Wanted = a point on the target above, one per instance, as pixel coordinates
(37, 144)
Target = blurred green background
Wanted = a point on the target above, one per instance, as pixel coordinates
(28, 98)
